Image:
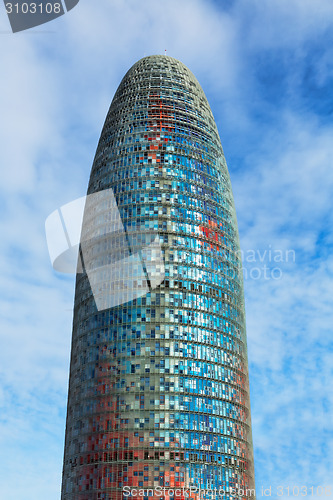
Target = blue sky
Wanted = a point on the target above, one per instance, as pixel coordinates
(267, 70)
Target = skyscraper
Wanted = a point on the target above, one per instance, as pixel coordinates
(159, 390)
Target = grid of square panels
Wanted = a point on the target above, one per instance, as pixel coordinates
(158, 397)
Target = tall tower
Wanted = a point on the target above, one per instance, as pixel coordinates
(159, 389)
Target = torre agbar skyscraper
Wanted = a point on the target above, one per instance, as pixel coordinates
(158, 403)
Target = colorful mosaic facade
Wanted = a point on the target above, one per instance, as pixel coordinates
(159, 395)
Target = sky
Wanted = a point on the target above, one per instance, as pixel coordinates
(267, 70)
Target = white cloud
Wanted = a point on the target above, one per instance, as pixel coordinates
(284, 202)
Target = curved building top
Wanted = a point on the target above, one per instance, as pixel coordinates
(159, 390)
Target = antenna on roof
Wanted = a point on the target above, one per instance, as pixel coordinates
(165, 52)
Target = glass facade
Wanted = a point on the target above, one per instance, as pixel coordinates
(158, 402)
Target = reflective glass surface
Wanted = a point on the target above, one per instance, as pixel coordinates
(159, 390)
